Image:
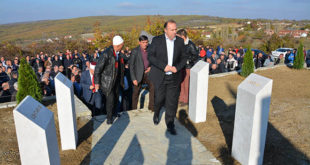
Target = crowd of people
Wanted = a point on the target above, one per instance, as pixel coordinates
(46, 67)
(8, 79)
(231, 60)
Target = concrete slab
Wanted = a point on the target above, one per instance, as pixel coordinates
(66, 112)
(134, 139)
(199, 79)
(251, 119)
(81, 109)
(36, 133)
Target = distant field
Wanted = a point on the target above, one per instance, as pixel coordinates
(76, 26)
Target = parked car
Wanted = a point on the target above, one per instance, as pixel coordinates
(256, 51)
(276, 53)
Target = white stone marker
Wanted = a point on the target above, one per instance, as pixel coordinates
(36, 133)
(66, 112)
(251, 119)
(198, 92)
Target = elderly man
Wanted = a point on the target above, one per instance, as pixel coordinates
(109, 75)
(167, 57)
(5, 95)
(91, 96)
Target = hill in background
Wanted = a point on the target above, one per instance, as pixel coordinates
(76, 26)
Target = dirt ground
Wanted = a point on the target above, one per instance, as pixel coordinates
(288, 134)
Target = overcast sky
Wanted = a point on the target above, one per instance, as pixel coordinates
(31, 10)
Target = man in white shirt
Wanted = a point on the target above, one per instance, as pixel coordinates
(167, 57)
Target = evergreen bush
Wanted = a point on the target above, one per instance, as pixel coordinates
(248, 63)
(27, 83)
(299, 58)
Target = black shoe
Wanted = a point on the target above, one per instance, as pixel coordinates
(109, 121)
(156, 118)
(172, 131)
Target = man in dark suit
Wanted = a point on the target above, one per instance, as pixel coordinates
(91, 96)
(139, 72)
(167, 57)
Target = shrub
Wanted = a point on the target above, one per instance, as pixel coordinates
(299, 58)
(27, 83)
(248, 63)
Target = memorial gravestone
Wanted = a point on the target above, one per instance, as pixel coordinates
(66, 112)
(251, 119)
(198, 92)
(36, 133)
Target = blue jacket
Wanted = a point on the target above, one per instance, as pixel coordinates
(291, 58)
(219, 50)
(85, 84)
(209, 54)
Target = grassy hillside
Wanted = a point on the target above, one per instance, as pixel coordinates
(76, 26)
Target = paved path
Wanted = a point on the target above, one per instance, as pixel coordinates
(134, 139)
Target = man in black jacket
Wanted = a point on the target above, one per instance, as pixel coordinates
(192, 58)
(139, 72)
(259, 60)
(167, 58)
(56, 61)
(13, 80)
(67, 65)
(109, 75)
(220, 65)
(77, 61)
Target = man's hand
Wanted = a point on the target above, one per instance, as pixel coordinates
(91, 87)
(173, 69)
(167, 68)
(135, 82)
(97, 87)
(170, 69)
(147, 70)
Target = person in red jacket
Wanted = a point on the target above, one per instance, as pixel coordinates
(202, 53)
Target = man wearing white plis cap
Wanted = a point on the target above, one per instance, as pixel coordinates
(91, 96)
(109, 75)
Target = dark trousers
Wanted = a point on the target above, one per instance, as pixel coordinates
(96, 103)
(112, 100)
(136, 91)
(167, 94)
(126, 102)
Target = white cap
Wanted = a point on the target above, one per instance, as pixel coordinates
(92, 65)
(117, 40)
